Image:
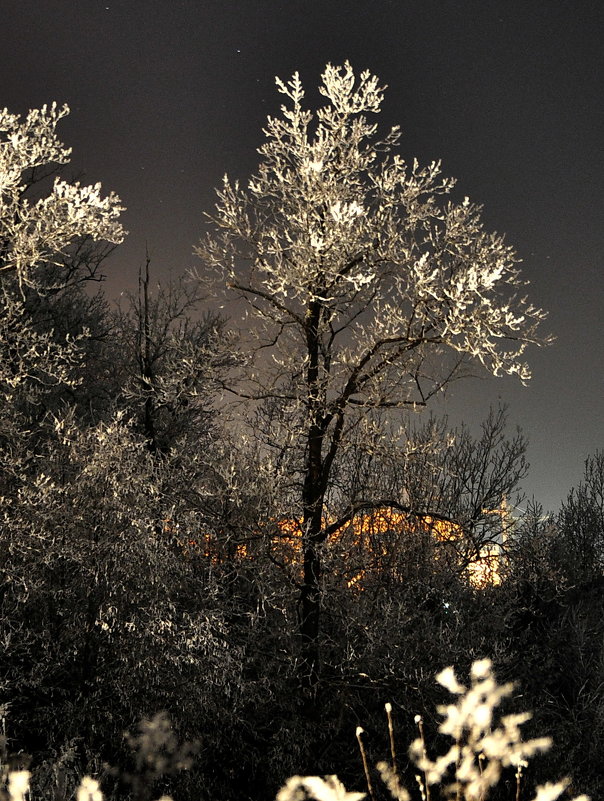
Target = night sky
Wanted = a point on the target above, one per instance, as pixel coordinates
(166, 96)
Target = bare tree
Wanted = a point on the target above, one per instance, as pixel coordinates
(580, 526)
(171, 355)
(444, 473)
(367, 290)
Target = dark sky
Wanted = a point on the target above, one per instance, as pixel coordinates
(168, 95)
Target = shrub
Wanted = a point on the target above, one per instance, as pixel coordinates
(483, 746)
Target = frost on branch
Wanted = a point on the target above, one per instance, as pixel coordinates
(336, 225)
(44, 232)
(484, 744)
(35, 232)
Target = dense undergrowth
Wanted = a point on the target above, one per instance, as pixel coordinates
(483, 747)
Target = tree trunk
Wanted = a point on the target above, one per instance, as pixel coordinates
(313, 537)
(313, 496)
(310, 617)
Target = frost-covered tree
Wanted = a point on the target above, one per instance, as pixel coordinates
(102, 619)
(367, 289)
(51, 239)
(44, 236)
(37, 232)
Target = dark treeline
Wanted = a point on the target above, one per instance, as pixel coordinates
(251, 529)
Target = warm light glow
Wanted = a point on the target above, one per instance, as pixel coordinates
(365, 535)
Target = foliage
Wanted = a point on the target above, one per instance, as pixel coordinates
(581, 525)
(553, 616)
